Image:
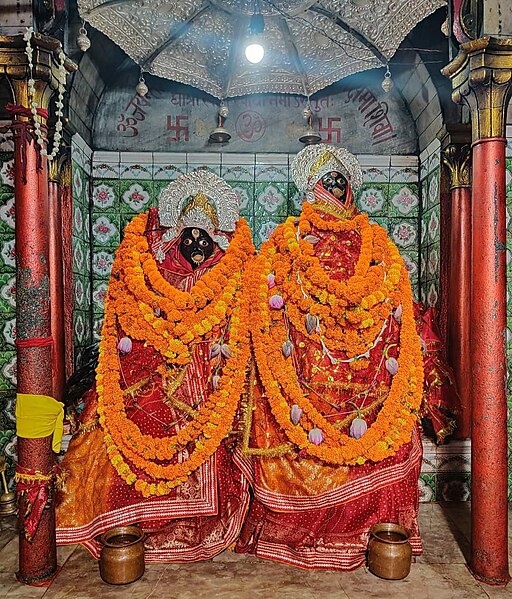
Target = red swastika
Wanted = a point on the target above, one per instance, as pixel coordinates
(333, 132)
(181, 127)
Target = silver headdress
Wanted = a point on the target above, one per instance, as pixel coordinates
(314, 161)
(199, 199)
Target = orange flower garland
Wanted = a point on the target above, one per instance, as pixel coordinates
(286, 254)
(185, 318)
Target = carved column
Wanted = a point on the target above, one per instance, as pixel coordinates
(456, 158)
(56, 280)
(37, 556)
(481, 77)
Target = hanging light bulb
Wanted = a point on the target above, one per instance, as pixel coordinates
(387, 83)
(310, 136)
(220, 135)
(254, 51)
(82, 40)
(141, 88)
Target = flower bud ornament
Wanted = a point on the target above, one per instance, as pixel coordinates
(276, 302)
(225, 350)
(358, 428)
(287, 348)
(125, 345)
(215, 381)
(392, 366)
(295, 414)
(271, 280)
(311, 323)
(397, 314)
(315, 436)
(214, 350)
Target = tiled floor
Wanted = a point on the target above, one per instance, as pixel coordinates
(440, 573)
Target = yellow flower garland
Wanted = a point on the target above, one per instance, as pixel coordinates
(203, 312)
(395, 420)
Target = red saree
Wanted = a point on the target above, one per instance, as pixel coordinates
(307, 513)
(199, 518)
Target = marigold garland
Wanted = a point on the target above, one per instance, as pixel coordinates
(284, 255)
(137, 293)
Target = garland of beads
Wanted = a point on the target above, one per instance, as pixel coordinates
(61, 78)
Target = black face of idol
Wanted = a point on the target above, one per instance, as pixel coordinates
(336, 184)
(196, 246)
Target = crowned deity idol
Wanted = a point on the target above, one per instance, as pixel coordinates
(153, 446)
(332, 442)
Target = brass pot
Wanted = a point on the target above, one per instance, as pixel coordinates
(389, 551)
(8, 505)
(122, 555)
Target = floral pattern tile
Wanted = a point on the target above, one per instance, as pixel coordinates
(238, 172)
(7, 292)
(374, 174)
(7, 252)
(135, 171)
(105, 230)
(271, 199)
(272, 172)
(245, 192)
(102, 262)
(405, 174)
(105, 170)
(404, 232)
(372, 198)
(263, 227)
(136, 196)
(7, 211)
(433, 189)
(8, 370)
(433, 224)
(99, 294)
(167, 172)
(404, 200)
(105, 195)
(7, 168)
(8, 330)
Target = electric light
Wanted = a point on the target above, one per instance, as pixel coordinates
(254, 53)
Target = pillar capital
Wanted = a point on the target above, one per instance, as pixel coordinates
(481, 76)
(457, 160)
(14, 65)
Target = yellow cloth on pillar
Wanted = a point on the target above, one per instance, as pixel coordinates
(39, 416)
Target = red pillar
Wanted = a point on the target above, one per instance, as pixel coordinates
(456, 157)
(56, 283)
(38, 557)
(481, 76)
(459, 325)
(489, 556)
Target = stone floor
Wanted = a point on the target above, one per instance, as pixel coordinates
(440, 573)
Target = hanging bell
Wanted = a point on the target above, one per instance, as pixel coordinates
(219, 136)
(142, 89)
(387, 83)
(82, 40)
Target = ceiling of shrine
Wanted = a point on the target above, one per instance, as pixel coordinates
(308, 44)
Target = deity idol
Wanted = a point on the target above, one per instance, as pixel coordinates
(332, 443)
(153, 445)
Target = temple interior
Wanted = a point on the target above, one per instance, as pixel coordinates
(123, 116)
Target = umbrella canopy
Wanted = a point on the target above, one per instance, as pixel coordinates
(308, 44)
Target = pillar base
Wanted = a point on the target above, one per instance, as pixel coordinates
(496, 582)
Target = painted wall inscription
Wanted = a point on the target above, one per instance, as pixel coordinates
(359, 118)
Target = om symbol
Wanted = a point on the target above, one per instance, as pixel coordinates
(250, 126)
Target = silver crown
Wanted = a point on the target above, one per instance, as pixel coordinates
(175, 198)
(314, 161)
